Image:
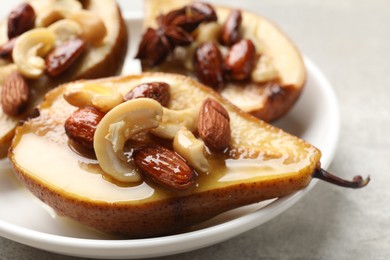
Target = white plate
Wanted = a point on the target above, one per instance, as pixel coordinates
(24, 219)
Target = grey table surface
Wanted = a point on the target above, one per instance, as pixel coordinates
(349, 41)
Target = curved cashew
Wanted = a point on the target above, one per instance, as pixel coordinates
(116, 127)
(94, 31)
(64, 30)
(174, 120)
(191, 149)
(29, 48)
(51, 11)
(99, 96)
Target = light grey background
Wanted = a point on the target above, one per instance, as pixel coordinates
(349, 41)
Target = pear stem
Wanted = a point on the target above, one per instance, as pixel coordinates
(357, 181)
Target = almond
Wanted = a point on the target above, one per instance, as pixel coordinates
(63, 56)
(241, 60)
(20, 20)
(230, 33)
(158, 91)
(205, 9)
(14, 94)
(7, 48)
(81, 125)
(214, 125)
(165, 167)
(209, 64)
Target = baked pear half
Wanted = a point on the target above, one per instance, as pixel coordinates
(44, 43)
(241, 54)
(130, 155)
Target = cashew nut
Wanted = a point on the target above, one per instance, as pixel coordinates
(116, 127)
(51, 11)
(64, 30)
(99, 96)
(191, 149)
(264, 70)
(29, 49)
(93, 29)
(174, 120)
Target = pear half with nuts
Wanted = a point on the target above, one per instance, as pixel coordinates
(130, 155)
(44, 43)
(244, 56)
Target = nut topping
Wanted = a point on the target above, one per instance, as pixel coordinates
(123, 122)
(165, 167)
(182, 18)
(241, 60)
(178, 36)
(81, 125)
(209, 64)
(62, 57)
(206, 10)
(158, 91)
(7, 48)
(230, 33)
(20, 20)
(14, 94)
(29, 49)
(214, 125)
(174, 29)
(154, 47)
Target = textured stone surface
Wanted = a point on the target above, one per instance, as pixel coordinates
(349, 41)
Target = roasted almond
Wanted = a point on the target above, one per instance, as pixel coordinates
(165, 167)
(241, 60)
(81, 125)
(178, 36)
(214, 125)
(63, 56)
(158, 91)
(154, 47)
(230, 33)
(209, 64)
(14, 94)
(205, 9)
(20, 20)
(7, 48)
